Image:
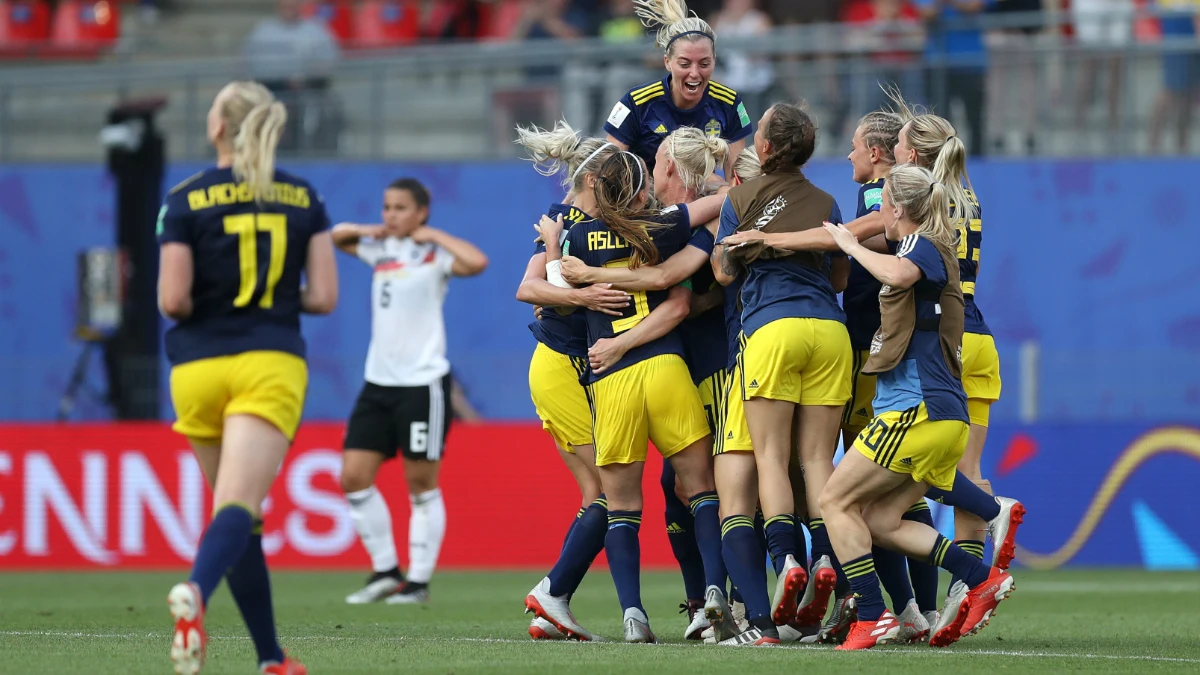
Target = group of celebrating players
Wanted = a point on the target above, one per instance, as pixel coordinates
(701, 314)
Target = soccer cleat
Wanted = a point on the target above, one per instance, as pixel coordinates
(379, 586)
(932, 618)
(289, 666)
(812, 607)
(835, 630)
(739, 615)
(787, 589)
(913, 626)
(985, 597)
(697, 622)
(954, 614)
(787, 633)
(556, 610)
(637, 627)
(754, 637)
(189, 643)
(867, 634)
(541, 629)
(410, 593)
(718, 613)
(1003, 531)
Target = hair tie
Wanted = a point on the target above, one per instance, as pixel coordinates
(932, 185)
(950, 138)
(689, 32)
(590, 157)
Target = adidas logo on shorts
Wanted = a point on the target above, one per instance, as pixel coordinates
(730, 436)
(753, 384)
(907, 461)
(861, 411)
(674, 528)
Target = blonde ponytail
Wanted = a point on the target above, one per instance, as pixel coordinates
(939, 149)
(564, 150)
(674, 22)
(696, 156)
(926, 202)
(950, 169)
(254, 121)
(747, 166)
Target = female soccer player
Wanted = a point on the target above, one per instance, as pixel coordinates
(640, 393)
(561, 355)
(685, 162)
(686, 97)
(235, 240)
(920, 427)
(403, 405)
(796, 359)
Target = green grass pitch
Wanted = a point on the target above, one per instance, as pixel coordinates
(100, 623)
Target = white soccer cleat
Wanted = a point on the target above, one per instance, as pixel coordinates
(954, 614)
(719, 614)
(739, 616)
(787, 590)
(556, 610)
(409, 594)
(189, 642)
(810, 611)
(1003, 531)
(789, 634)
(378, 587)
(541, 629)
(913, 626)
(932, 618)
(698, 623)
(637, 627)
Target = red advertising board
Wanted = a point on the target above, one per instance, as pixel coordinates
(130, 496)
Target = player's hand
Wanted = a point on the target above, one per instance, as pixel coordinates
(576, 272)
(425, 235)
(372, 231)
(604, 299)
(745, 237)
(843, 237)
(551, 230)
(537, 312)
(605, 354)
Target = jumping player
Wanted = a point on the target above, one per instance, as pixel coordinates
(404, 404)
(236, 241)
(686, 97)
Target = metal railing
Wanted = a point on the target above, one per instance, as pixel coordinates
(460, 101)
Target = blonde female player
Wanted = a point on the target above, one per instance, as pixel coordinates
(796, 360)
(686, 97)
(236, 241)
(920, 427)
(640, 393)
(686, 160)
(561, 357)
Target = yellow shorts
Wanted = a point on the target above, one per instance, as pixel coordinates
(653, 400)
(733, 434)
(980, 375)
(712, 397)
(266, 384)
(858, 412)
(803, 361)
(907, 441)
(561, 402)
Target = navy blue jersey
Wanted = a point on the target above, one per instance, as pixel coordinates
(970, 239)
(704, 339)
(247, 262)
(733, 319)
(922, 375)
(597, 246)
(564, 333)
(646, 115)
(777, 288)
(861, 297)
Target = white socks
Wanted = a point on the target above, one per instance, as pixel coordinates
(373, 522)
(426, 529)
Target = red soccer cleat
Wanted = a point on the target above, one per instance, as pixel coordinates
(787, 589)
(1003, 531)
(985, 597)
(867, 634)
(289, 666)
(810, 611)
(190, 641)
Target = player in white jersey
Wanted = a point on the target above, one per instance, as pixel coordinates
(404, 406)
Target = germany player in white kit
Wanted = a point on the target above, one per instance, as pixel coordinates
(404, 406)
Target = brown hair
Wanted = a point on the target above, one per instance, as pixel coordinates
(618, 183)
(792, 134)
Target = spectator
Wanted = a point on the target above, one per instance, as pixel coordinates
(294, 57)
(890, 31)
(552, 19)
(585, 105)
(1102, 28)
(1013, 81)
(957, 60)
(751, 76)
(1181, 70)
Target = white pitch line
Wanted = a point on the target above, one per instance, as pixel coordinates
(813, 648)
